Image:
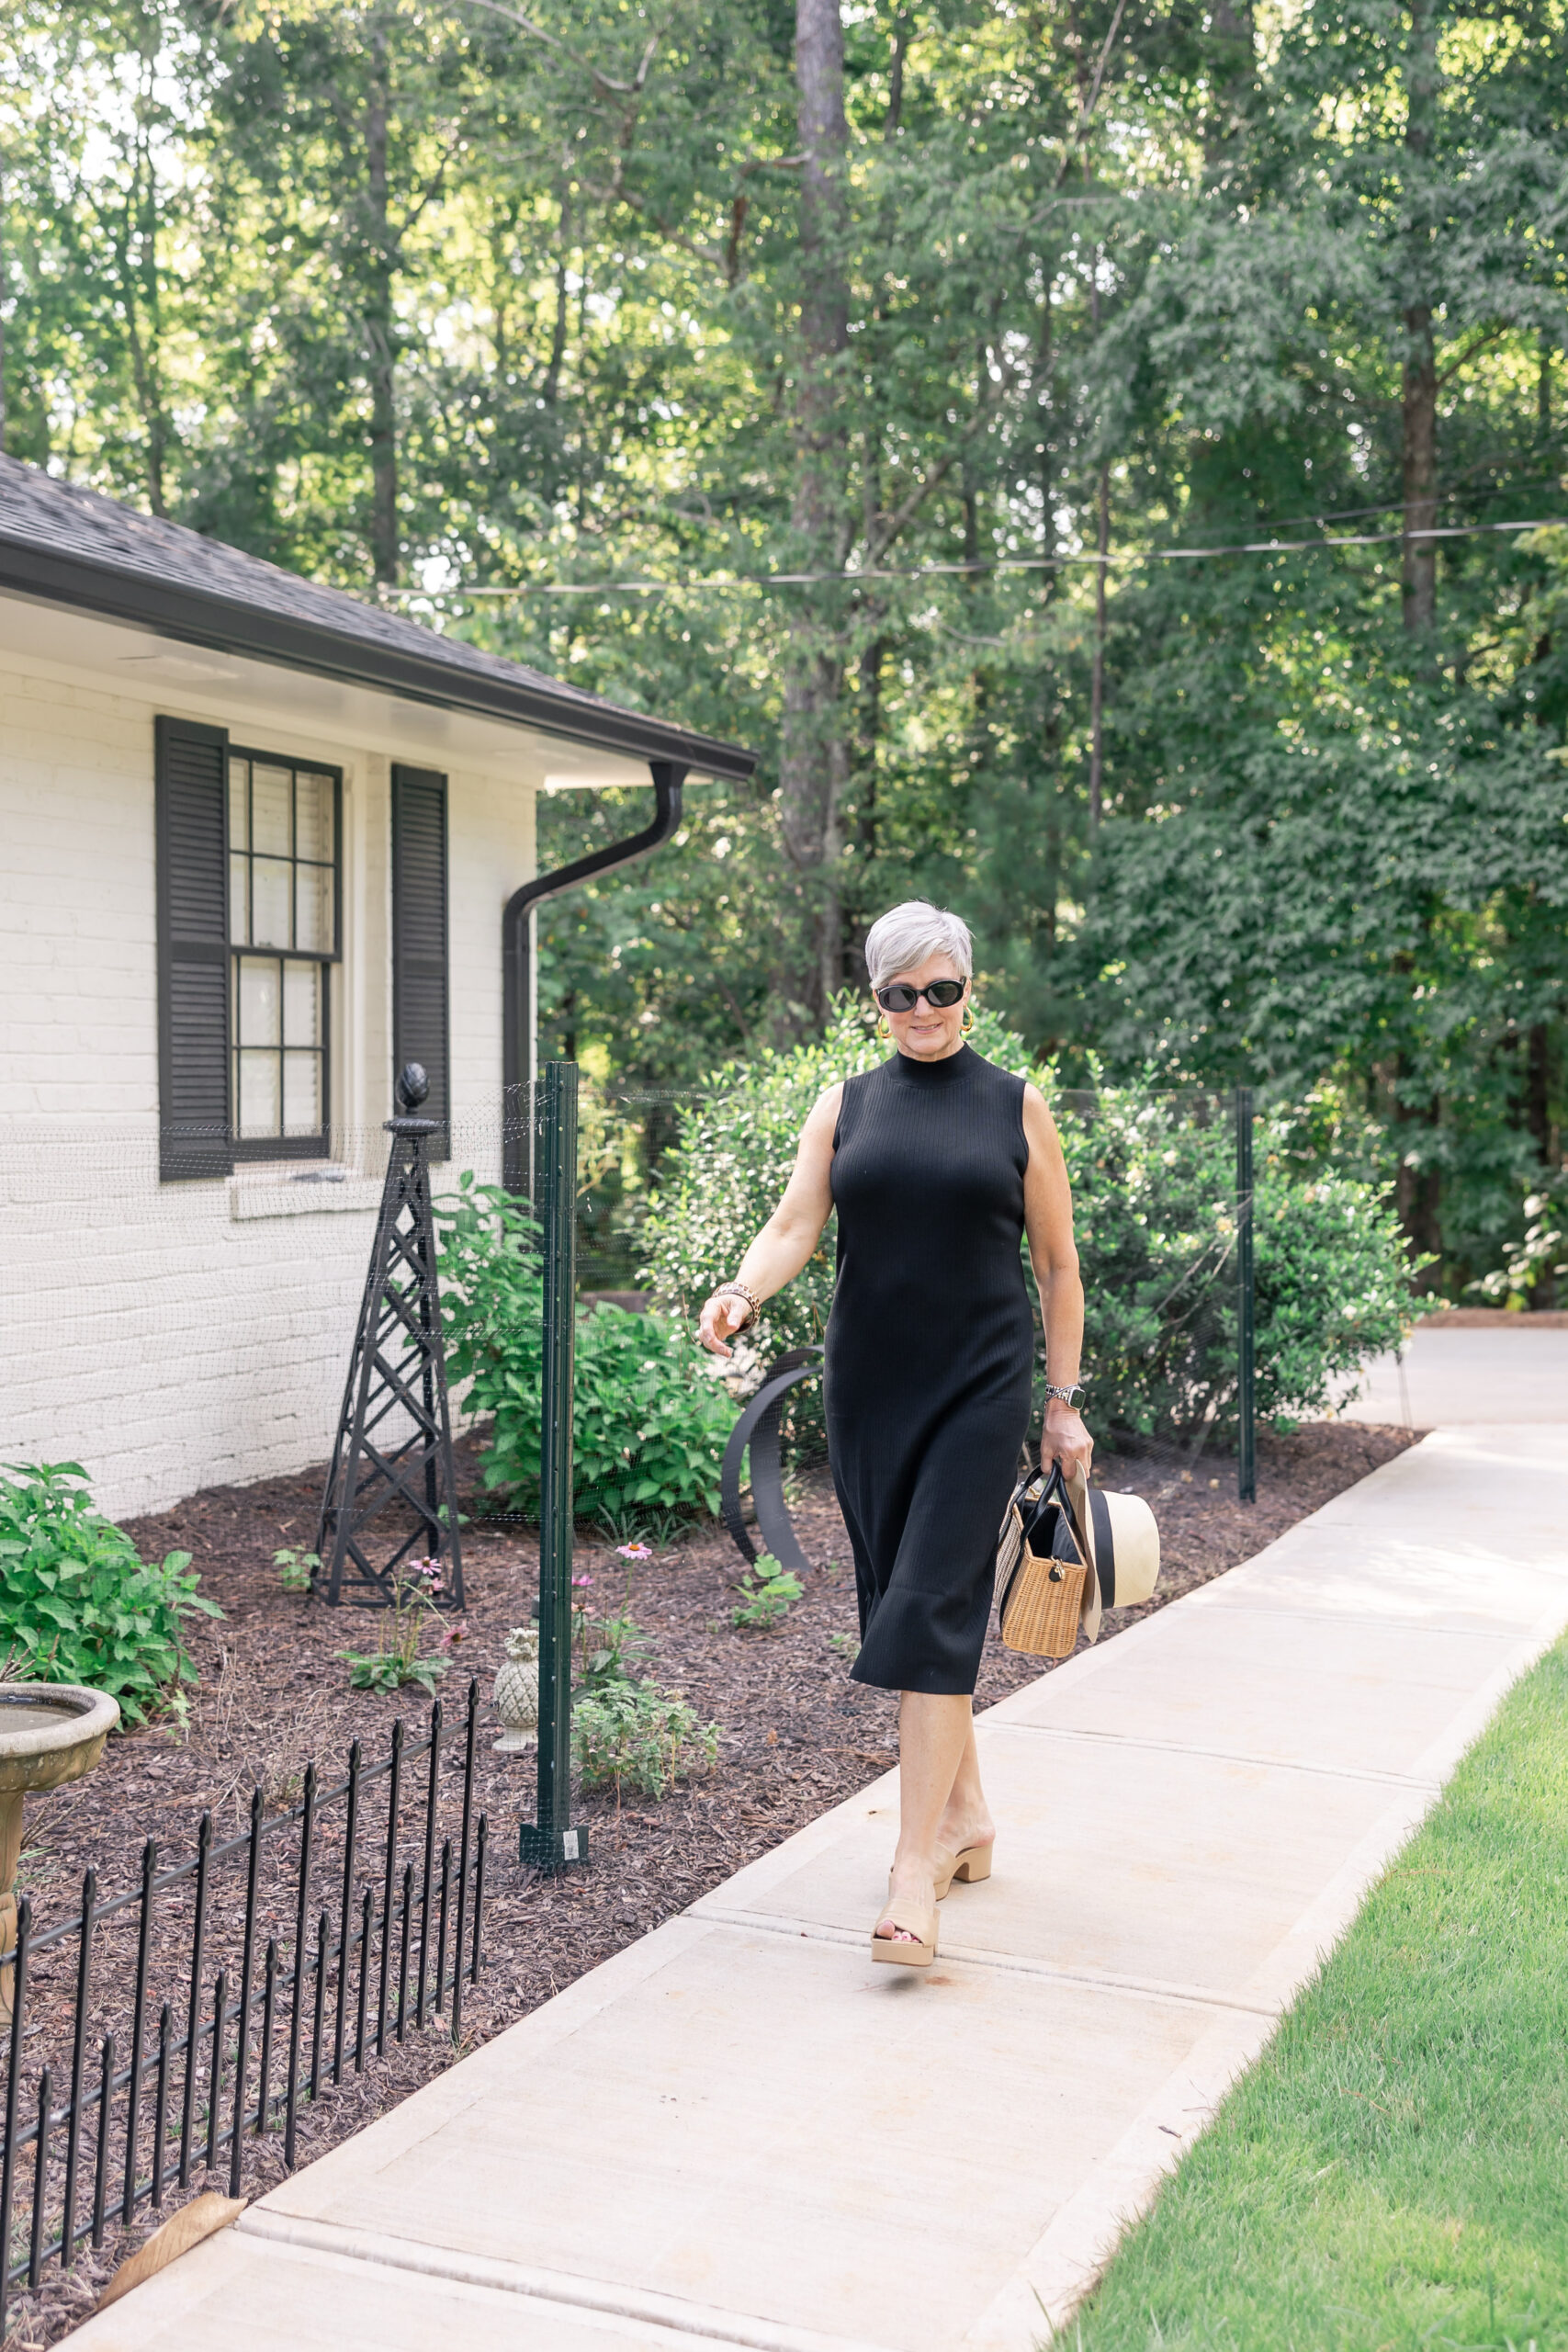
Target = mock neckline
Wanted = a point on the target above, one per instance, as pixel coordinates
(939, 1073)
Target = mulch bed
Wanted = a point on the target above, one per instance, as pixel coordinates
(795, 1737)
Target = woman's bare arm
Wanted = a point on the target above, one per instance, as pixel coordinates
(1048, 1220)
(793, 1231)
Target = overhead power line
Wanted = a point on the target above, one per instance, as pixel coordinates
(962, 568)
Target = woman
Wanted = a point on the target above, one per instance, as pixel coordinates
(937, 1163)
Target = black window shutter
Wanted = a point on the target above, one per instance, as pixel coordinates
(419, 1022)
(192, 802)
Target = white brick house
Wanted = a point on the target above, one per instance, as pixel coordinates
(258, 842)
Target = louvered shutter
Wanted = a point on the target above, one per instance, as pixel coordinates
(192, 800)
(420, 1023)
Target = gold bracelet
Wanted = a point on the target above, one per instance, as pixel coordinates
(739, 1290)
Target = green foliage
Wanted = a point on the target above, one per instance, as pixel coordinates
(606, 1647)
(1154, 1185)
(296, 1570)
(1154, 1190)
(767, 1591)
(395, 296)
(635, 1736)
(78, 1604)
(649, 1422)
(397, 1661)
(1390, 2172)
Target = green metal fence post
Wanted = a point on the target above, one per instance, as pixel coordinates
(550, 1843)
(1246, 1366)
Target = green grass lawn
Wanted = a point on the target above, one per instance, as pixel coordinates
(1394, 2172)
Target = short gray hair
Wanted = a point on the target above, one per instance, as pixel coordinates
(905, 937)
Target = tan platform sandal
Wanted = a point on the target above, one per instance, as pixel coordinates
(918, 1926)
(971, 1864)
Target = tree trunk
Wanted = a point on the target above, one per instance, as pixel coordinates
(1419, 414)
(1538, 1112)
(380, 338)
(813, 762)
(1097, 679)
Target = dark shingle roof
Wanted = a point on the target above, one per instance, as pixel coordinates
(71, 546)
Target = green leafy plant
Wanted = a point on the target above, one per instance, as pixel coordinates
(651, 1423)
(296, 1570)
(767, 1590)
(605, 1644)
(79, 1604)
(635, 1736)
(399, 1659)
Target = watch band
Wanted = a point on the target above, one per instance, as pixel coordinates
(1069, 1395)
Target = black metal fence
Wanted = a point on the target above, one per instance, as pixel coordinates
(229, 2015)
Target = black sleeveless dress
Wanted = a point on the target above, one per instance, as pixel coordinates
(929, 1349)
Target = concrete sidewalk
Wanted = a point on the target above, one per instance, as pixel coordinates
(739, 2132)
(1444, 1378)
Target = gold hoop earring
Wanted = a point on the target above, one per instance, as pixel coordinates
(881, 1028)
(966, 1025)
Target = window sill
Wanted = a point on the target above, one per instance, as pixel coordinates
(262, 1190)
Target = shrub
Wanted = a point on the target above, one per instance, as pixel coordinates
(635, 1734)
(650, 1423)
(1152, 1178)
(79, 1604)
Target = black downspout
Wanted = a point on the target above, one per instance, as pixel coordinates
(516, 963)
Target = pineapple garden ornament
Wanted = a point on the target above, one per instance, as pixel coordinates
(516, 1694)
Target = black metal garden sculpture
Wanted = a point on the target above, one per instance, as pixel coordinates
(394, 1433)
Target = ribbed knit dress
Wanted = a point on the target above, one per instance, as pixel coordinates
(929, 1348)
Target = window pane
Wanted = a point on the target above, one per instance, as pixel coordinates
(239, 792)
(314, 907)
(314, 816)
(269, 809)
(301, 1095)
(259, 1106)
(259, 1005)
(270, 894)
(240, 900)
(301, 1004)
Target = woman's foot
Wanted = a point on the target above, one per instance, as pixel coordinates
(910, 1888)
(906, 1927)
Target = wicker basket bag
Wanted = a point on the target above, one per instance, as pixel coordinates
(1042, 1567)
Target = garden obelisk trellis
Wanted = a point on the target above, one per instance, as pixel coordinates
(394, 1435)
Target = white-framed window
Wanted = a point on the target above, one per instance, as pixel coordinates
(284, 934)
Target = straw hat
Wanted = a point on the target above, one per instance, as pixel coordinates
(1122, 1545)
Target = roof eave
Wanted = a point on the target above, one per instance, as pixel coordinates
(221, 625)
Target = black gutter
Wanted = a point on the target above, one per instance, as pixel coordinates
(228, 625)
(517, 974)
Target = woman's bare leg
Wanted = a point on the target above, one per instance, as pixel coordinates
(934, 1735)
(966, 1817)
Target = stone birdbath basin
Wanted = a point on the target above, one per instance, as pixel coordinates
(49, 1733)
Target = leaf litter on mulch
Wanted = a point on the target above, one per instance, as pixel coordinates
(795, 1737)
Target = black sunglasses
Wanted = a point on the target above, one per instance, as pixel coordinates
(899, 997)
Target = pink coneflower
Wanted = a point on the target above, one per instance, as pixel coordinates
(451, 1635)
(582, 1581)
(634, 1551)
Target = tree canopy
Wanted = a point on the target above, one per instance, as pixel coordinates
(1081, 444)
